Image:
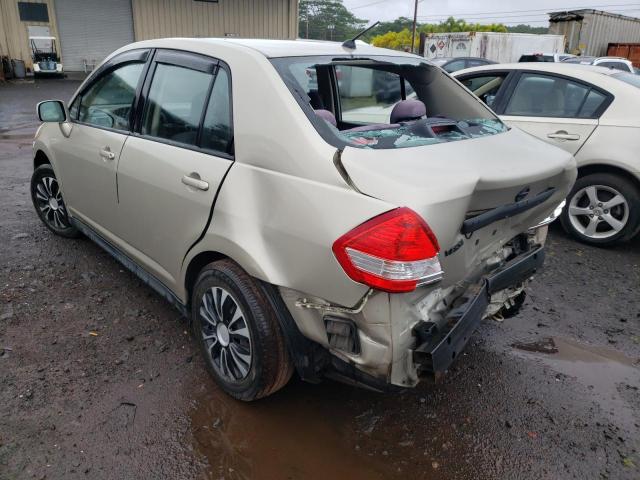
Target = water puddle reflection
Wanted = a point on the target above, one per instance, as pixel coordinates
(302, 432)
(608, 374)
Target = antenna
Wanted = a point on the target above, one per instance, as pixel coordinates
(351, 44)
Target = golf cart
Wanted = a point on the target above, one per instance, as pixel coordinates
(44, 54)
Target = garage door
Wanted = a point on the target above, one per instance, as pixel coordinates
(92, 29)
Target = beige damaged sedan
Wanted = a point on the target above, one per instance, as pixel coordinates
(228, 176)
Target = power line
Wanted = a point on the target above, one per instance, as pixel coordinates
(547, 9)
(368, 4)
(469, 17)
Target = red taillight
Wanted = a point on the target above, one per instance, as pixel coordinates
(393, 252)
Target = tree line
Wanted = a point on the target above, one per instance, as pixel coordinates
(331, 20)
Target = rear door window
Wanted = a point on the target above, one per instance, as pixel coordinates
(108, 102)
(217, 130)
(539, 95)
(175, 103)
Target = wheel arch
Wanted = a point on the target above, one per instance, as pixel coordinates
(195, 266)
(40, 158)
(585, 170)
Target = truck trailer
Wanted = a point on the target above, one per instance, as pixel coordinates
(589, 32)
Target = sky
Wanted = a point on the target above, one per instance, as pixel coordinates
(509, 12)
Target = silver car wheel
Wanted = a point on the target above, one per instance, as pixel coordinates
(50, 203)
(226, 335)
(598, 211)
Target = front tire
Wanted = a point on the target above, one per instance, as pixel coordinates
(238, 333)
(603, 209)
(46, 196)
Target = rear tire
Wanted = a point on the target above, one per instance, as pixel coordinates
(603, 209)
(46, 196)
(238, 333)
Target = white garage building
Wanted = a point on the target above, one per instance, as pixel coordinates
(88, 30)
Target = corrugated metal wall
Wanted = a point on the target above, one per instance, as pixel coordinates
(85, 37)
(189, 18)
(596, 30)
(14, 36)
(166, 18)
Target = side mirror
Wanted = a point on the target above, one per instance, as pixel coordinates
(52, 111)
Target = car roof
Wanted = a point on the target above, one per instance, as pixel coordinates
(279, 48)
(613, 58)
(459, 58)
(572, 69)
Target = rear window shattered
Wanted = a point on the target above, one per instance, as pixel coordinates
(384, 102)
(425, 132)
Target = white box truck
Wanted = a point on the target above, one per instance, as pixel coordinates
(499, 47)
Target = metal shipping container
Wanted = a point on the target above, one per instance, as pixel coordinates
(589, 32)
(499, 47)
(630, 51)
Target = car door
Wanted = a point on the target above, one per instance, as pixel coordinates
(172, 166)
(87, 158)
(559, 110)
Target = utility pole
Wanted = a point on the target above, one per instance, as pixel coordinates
(415, 21)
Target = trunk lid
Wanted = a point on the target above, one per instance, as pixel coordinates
(448, 183)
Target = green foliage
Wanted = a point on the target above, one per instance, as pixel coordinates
(397, 25)
(327, 20)
(395, 40)
(528, 29)
(460, 25)
(401, 40)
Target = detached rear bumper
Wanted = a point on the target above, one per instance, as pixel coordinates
(437, 348)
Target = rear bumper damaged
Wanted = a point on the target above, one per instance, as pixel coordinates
(436, 347)
(389, 341)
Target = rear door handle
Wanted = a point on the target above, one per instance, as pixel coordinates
(193, 180)
(107, 154)
(562, 135)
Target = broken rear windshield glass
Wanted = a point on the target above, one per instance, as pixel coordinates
(384, 102)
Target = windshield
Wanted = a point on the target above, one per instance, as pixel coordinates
(630, 78)
(384, 102)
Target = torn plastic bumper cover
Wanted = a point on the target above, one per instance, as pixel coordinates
(436, 349)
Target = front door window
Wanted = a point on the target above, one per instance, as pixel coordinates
(108, 102)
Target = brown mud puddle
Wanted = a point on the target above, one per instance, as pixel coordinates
(612, 378)
(302, 432)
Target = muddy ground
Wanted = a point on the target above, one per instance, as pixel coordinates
(99, 377)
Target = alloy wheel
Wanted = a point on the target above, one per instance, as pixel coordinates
(598, 211)
(49, 201)
(225, 332)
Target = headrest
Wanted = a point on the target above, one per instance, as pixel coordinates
(327, 116)
(407, 110)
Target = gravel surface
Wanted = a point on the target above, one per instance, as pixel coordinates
(99, 377)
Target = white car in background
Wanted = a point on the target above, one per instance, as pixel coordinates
(617, 63)
(591, 112)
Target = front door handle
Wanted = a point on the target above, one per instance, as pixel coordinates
(563, 135)
(107, 154)
(193, 180)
